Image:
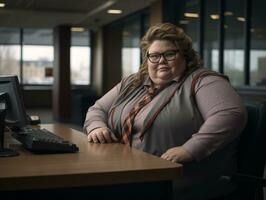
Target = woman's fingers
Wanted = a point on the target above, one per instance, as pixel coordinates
(107, 136)
(89, 138)
(102, 135)
(94, 137)
(177, 154)
(114, 138)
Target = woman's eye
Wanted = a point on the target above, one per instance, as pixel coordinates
(169, 54)
(154, 56)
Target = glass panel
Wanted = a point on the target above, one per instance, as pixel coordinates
(38, 56)
(211, 51)
(37, 36)
(9, 36)
(10, 60)
(189, 21)
(10, 51)
(38, 64)
(80, 56)
(80, 38)
(258, 44)
(80, 65)
(234, 41)
(146, 22)
(130, 60)
(130, 47)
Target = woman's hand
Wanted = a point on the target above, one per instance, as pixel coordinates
(177, 154)
(102, 135)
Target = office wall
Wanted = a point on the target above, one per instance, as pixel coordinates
(62, 86)
(112, 62)
(97, 60)
(156, 13)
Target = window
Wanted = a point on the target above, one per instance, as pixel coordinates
(9, 51)
(38, 56)
(211, 29)
(130, 47)
(234, 41)
(190, 20)
(33, 61)
(258, 45)
(80, 54)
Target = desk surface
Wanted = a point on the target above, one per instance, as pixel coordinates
(94, 164)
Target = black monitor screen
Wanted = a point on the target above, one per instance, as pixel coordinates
(15, 110)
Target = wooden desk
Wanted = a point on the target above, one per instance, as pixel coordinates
(94, 165)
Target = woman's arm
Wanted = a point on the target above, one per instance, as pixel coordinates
(97, 114)
(223, 113)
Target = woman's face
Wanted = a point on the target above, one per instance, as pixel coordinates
(163, 68)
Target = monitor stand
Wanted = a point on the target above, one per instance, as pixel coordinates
(4, 152)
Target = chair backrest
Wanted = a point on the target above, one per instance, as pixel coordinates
(252, 149)
(251, 154)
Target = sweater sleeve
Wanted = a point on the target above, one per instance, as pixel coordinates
(223, 113)
(97, 115)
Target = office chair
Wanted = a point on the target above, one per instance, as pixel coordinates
(251, 155)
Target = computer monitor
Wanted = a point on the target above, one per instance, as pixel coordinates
(15, 110)
(11, 103)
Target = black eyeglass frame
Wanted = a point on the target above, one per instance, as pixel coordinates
(163, 54)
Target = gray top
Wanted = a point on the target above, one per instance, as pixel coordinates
(207, 128)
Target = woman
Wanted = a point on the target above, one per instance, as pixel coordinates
(175, 109)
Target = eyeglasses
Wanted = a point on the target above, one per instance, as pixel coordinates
(167, 55)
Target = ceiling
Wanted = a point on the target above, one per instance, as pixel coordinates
(50, 13)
